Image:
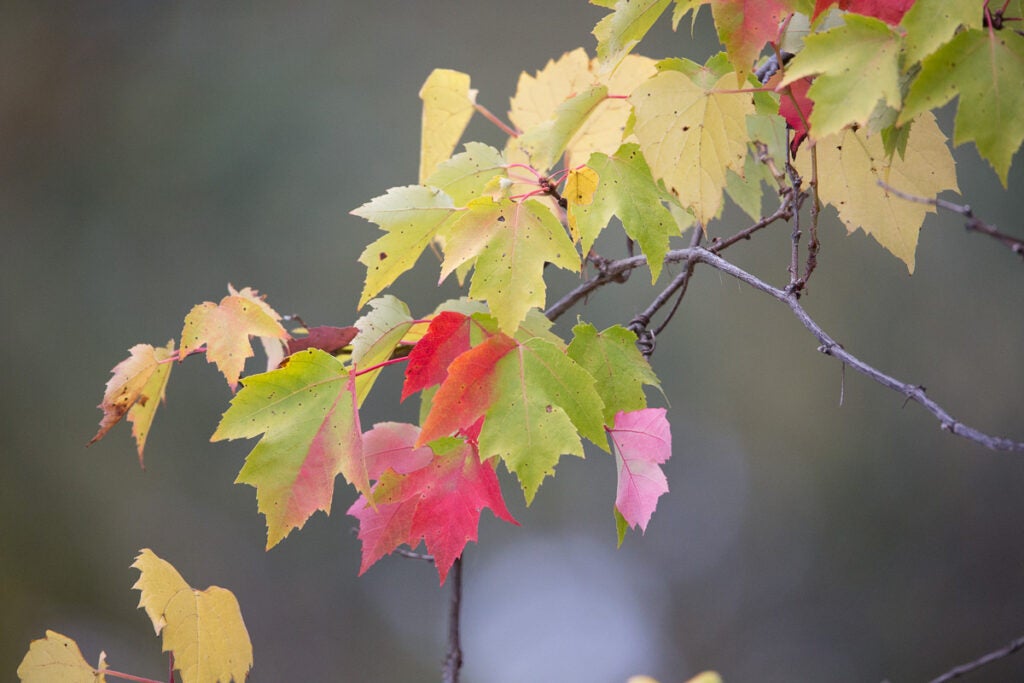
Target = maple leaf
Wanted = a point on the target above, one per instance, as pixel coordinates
(858, 65)
(986, 69)
(384, 327)
(889, 11)
(535, 399)
(448, 105)
(930, 23)
(619, 32)
(136, 389)
(391, 445)
(306, 412)
(560, 107)
(580, 185)
(691, 135)
(466, 175)
(745, 27)
(626, 189)
(642, 441)
(619, 369)
(447, 337)
(439, 503)
(57, 659)
(225, 328)
(509, 243)
(202, 629)
(411, 216)
(327, 338)
(851, 163)
(796, 107)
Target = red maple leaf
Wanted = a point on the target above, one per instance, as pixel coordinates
(745, 26)
(795, 107)
(446, 338)
(325, 337)
(439, 503)
(468, 391)
(889, 11)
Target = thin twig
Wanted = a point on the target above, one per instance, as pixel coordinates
(967, 668)
(973, 223)
(453, 662)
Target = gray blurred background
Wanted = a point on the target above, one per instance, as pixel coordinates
(152, 152)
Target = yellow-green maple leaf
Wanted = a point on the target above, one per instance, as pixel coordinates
(850, 164)
(690, 135)
(448, 105)
(411, 216)
(508, 242)
(857, 65)
(57, 659)
(202, 629)
(986, 69)
(619, 32)
(930, 23)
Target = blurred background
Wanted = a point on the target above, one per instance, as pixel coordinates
(153, 152)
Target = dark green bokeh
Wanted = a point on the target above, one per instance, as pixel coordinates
(153, 152)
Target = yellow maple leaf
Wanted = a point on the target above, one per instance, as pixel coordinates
(203, 629)
(136, 389)
(850, 164)
(448, 105)
(225, 328)
(538, 98)
(691, 135)
(580, 185)
(57, 659)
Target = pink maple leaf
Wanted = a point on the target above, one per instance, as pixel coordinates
(643, 442)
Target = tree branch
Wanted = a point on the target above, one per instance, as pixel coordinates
(973, 223)
(967, 668)
(453, 662)
(828, 346)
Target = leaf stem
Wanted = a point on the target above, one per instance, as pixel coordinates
(505, 128)
(127, 677)
(378, 366)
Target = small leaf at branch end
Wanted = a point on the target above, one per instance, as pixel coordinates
(579, 191)
(619, 32)
(56, 659)
(137, 387)
(225, 329)
(642, 442)
(204, 629)
(448, 105)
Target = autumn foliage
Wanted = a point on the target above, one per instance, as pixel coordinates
(660, 145)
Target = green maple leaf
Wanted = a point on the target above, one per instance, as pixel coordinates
(545, 143)
(617, 366)
(986, 69)
(508, 243)
(626, 189)
(619, 32)
(536, 402)
(411, 216)
(691, 134)
(381, 330)
(857, 65)
(930, 23)
(467, 174)
(306, 412)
